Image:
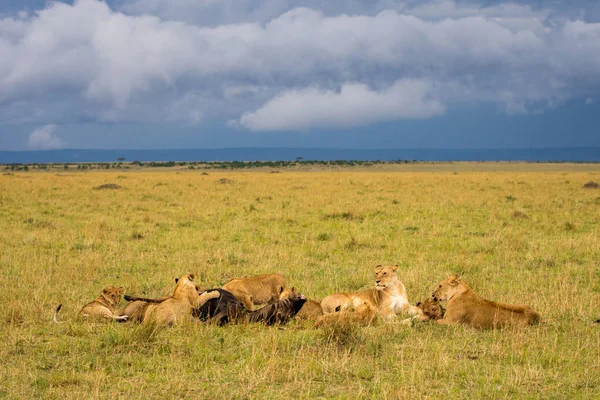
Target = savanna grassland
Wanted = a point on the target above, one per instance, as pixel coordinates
(518, 233)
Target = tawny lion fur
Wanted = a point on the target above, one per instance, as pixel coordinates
(431, 310)
(310, 311)
(467, 307)
(105, 305)
(179, 306)
(365, 314)
(389, 297)
(257, 290)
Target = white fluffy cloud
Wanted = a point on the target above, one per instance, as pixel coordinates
(44, 139)
(354, 105)
(88, 61)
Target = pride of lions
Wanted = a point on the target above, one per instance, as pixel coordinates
(266, 299)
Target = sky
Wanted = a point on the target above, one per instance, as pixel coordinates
(152, 74)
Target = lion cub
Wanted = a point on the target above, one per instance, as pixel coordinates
(467, 307)
(105, 305)
(179, 306)
(431, 310)
(257, 290)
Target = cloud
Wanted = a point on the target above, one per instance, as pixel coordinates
(89, 61)
(354, 104)
(212, 12)
(44, 139)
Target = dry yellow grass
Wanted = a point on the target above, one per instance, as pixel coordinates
(520, 237)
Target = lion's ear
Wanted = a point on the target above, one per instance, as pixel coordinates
(293, 289)
(192, 277)
(378, 268)
(419, 304)
(395, 268)
(455, 280)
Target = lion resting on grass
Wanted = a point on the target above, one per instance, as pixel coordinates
(103, 306)
(179, 306)
(365, 314)
(467, 307)
(388, 298)
(310, 311)
(257, 290)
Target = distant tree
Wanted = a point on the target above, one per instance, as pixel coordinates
(121, 159)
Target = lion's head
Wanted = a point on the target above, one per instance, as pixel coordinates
(431, 308)
(294, 295)
(385, 276)
(447, 288)
(186, 286)
(112, 294)
(191, 277)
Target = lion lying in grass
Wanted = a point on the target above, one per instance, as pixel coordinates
(467, 307)
(310, 311)
(365, 314)
(103, 306)
(389, 297)
(257, 290)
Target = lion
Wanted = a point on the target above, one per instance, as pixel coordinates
(389, 297)
(365, 314)
(136, 309)
(431, 310)
(257, 290)
(310, 311)
(467, 307)
(103, 306)
(179, 306)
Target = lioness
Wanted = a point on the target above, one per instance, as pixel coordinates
(467, 307)
(180, 305)
(105, 305)
(257, 290)
(364, 314)
(388, 298)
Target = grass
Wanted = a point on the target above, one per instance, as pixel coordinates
(517, 233)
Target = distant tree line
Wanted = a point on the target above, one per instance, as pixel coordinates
(201, 164)
(299, 162)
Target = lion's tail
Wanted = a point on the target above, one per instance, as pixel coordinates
(55, 317)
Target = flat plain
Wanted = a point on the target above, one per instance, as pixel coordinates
(518, 233)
